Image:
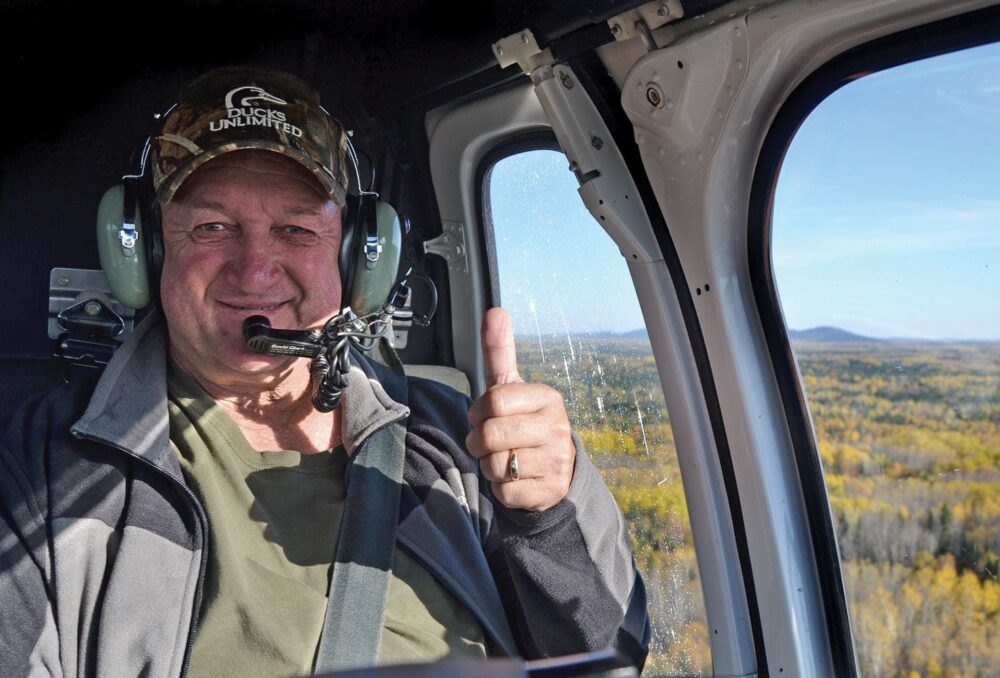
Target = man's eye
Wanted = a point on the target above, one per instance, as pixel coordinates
(210, 231)
(296, 233)
(214, 227)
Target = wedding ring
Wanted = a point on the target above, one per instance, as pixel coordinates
(515, 472)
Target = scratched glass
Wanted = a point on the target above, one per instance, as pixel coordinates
(579, 329)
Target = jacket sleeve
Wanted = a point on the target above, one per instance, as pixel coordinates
(567, 576)
(28, 640)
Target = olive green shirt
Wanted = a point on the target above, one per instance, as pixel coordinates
(274, 519)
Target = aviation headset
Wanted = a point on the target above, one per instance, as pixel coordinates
(235, 108)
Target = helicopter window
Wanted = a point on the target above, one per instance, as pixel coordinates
(579, 329)
(886, 251)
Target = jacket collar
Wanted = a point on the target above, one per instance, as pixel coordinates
(365, 406)
(129, 406)
(128, 409)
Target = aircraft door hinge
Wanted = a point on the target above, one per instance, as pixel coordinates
(639, 22)
(521, 48)
(606, 187)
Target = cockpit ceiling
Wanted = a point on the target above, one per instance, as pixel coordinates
(388, 53)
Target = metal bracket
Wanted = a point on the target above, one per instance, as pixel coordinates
(128, 236)
(91, 316)
(83, 316)
(606, 186)
(402, 323)
(638, 22)
(450, 246)
(680, 96)
(373, 251)
(521, 48)
(70, 286)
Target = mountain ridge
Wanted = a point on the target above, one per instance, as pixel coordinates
(823, 334)
(828, 334)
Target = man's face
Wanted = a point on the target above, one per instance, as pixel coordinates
(249, 233)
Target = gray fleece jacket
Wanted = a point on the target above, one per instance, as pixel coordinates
(103, 545)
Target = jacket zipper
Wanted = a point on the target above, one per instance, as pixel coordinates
(203, 521)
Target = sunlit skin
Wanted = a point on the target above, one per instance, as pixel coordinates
(513, 415)
(253, 233)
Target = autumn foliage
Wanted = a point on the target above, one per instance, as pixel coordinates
(909, 437)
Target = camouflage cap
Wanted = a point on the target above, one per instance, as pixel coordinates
(234, 108)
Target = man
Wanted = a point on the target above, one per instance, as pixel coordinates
(192, 512)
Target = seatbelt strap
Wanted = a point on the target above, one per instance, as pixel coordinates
(388, 368)
(359, 585)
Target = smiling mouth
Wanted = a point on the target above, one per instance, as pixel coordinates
(254, 307)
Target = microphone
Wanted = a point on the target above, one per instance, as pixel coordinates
(329, 348)
(259, 337)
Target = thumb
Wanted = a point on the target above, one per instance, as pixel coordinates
(499, 352)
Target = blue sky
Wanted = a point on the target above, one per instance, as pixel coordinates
(558, 268)
(887, 213)
(886, 219)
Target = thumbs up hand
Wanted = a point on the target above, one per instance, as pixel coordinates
(520, 431)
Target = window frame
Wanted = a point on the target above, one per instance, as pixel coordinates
(942, 37)
(458, 137)
(717, 528)
(529, 140)
(745, 647)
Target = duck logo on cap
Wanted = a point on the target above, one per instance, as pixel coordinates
(258, 95)
(250, 112)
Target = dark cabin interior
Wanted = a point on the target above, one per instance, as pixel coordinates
(80, 103)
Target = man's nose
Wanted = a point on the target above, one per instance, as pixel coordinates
(255, 264)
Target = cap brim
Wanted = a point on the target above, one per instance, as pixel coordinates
(332, 187)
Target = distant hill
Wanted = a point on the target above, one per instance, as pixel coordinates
(828, 335)
(820, 335)
(599, 334)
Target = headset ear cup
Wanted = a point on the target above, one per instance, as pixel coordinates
(124, 267)
(377, 256)
(349, 226)
(152, 219)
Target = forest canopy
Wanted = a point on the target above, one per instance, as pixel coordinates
(909, 437)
